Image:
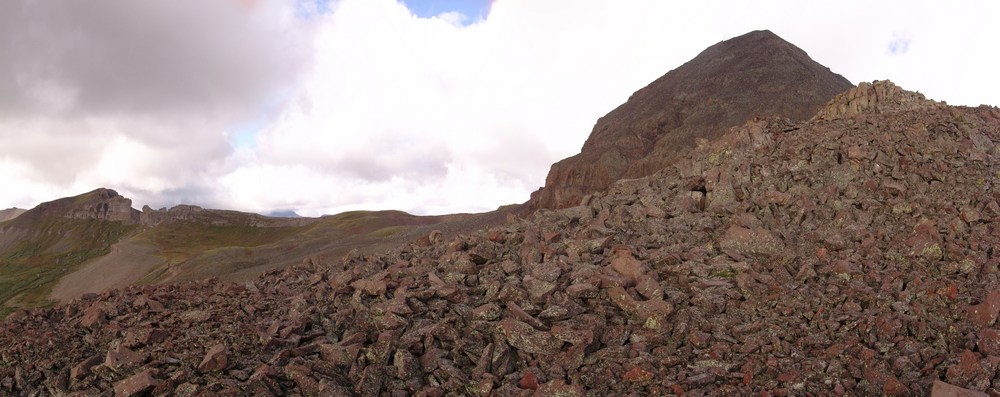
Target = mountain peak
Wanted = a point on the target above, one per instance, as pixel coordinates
(757, 74)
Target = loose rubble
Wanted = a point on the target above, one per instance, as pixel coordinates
(851, 255)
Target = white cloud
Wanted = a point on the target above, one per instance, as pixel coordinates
(135, 96)
(899, 45)
(367, 106)
(453, 17)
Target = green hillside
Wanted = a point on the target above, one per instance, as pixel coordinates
(46, 248)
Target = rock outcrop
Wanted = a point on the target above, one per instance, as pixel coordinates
(880, 96)
(192, 213)
(844, 256)
(754, 75)
(101, 204)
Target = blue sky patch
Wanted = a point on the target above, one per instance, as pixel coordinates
(473, 10)
(245, 136)
(307, 9)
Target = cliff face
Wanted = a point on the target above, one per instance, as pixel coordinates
(101, 204)
(754, 75)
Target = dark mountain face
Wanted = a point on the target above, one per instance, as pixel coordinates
(754, 75)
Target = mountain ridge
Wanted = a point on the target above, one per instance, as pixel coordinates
(87, 243)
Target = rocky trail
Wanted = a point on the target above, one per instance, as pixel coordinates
(853, 254)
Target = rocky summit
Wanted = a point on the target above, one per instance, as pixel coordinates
(754, 75)
(850, 254)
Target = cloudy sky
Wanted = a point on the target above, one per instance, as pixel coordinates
(429, 106)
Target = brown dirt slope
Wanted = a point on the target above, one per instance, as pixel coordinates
(754, 75)
(126, 264)
(850, 255)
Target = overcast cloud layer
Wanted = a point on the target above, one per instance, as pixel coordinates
(359, 104)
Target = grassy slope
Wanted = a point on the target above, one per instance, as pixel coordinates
(49, 248)
(52, 246)
(238, 254)
(177, 242)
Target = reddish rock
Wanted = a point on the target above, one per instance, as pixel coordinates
(527, 339)
(745, 241)
(648, 287)
(966, 369)
(93, 317)
(985, 313)
(989, 342)
(925, 240)
(372, 381)
(303, 378)
(122, 357)
(488, 312)
(691, 201)
(651, 313)
(887, 382)
(136, 385)
(559, 388)
(340, 355)
(537, 289)
(638, 375)
(216, 359)
(950, 292)
(484, 388)
(528, 381)
(941, 389)
(893, 387)
(582, 290)
(581, 337)
(82, 369)
(627, 265)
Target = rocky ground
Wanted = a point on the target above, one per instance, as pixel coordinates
(850, 255)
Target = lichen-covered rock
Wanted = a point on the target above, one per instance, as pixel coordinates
(528, 339)
(745, 241)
